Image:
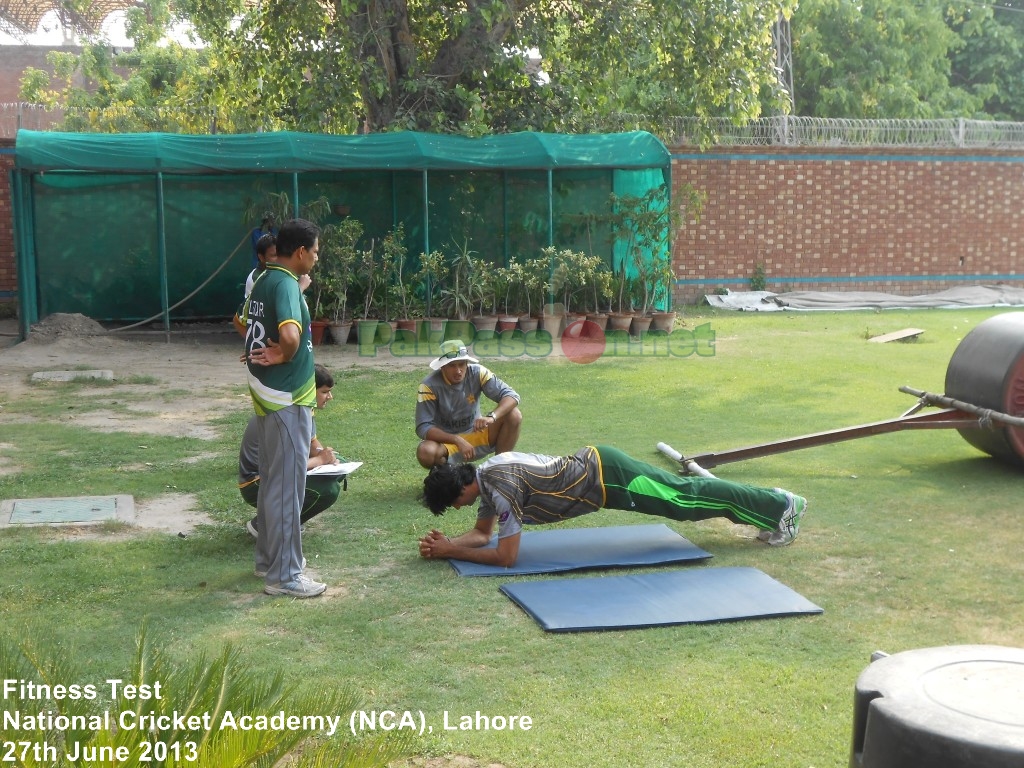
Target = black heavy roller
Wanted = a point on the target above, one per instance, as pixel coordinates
(987, 370)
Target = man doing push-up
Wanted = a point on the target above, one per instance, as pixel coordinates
(517, 489)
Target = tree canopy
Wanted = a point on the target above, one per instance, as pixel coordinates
(894, 59)
(341, 66)
(484, 66)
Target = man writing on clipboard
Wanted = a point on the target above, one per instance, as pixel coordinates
(322, 490)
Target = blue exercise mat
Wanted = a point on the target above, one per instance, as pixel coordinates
(571, 549)
(696, 596)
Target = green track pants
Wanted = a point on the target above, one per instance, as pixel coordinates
(639, 487)
(321, 492)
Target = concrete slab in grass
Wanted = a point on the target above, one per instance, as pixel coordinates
(75, 510)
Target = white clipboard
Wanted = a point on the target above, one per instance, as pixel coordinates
(340, 468)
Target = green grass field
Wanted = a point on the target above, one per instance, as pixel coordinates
(911, 540)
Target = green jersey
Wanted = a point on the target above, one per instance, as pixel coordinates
(275, 301)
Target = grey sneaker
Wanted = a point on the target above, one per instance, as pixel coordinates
(301, 588)
(789, 525)
(263, 574)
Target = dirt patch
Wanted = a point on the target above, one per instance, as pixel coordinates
(201, 359)
(171, 513)
(7, 465)
(64, 324)
(194, 367)
(171, 424)
(210, 369)
(451, 761)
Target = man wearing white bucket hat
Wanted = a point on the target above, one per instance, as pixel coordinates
(448, 417)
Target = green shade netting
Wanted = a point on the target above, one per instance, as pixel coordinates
(89, 216)
(287, 152)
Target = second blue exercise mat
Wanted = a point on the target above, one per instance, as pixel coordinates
(570, 549)
(696, 596)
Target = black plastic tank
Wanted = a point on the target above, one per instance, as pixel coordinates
(959, 706)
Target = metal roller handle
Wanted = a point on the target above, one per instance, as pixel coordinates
(669, 451)
(986, 414)
(689, 465)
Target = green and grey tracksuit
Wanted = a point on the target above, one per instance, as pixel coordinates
(283, 397)
(531, 489)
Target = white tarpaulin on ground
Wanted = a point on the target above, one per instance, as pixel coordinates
(963, 296)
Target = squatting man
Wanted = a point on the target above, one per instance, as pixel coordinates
(517, 489)
(321, 490)
(448, 419)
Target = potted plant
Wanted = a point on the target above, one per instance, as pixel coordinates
(539, 287)
(663, 279)
(455, 295)
(368, 274)
(458, 295)
(506, 286)
(601, 286)
(621, 315)
(393, 253)
(528, 284)
(551, 280)
(278, 207)
(482, 287)
(334, 273)
(643, 224)
(429, 281)
(570, 279)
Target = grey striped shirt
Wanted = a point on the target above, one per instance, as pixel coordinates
(531, 489)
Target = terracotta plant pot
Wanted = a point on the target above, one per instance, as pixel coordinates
(528, 324)
(574, 324)
(340, 332)
(640, 325)
(663, 321)
(599, 319)
(484, 323)
(620, 321)
(507, 323)
(405, 330)
(572, 317)
(316, 329)
(552, 324)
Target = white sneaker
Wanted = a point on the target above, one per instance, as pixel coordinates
(301, 587)
(263, 574)
(789, 525)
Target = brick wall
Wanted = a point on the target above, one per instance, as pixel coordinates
(898, 221)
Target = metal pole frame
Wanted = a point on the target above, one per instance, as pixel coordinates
(161, 246)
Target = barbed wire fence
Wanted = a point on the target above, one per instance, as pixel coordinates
(788, 131)
(776, 131)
